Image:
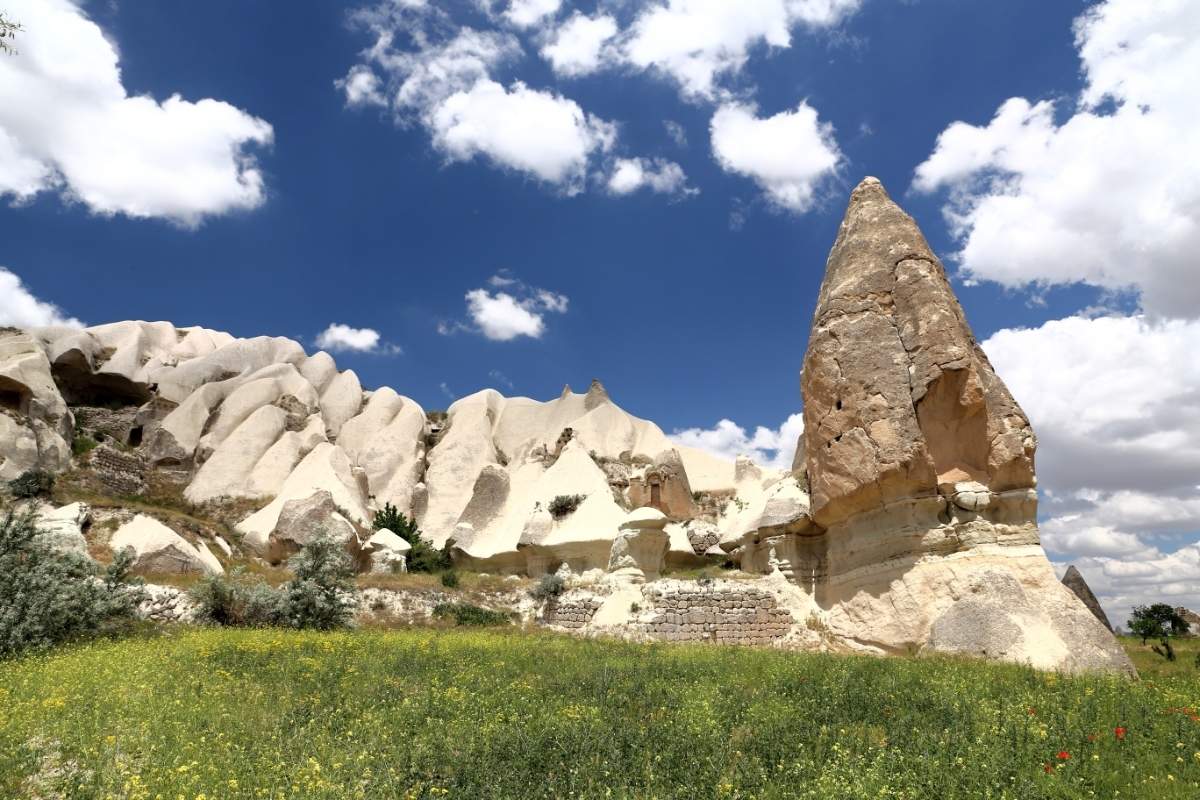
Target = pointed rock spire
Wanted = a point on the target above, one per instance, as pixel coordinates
(898, 397)
(596, 395)
(1074, 581)
(566, 392)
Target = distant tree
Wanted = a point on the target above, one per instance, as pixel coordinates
(8, 32)
(423, 557)
(1158, 621)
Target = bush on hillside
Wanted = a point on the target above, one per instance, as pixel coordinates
(48, 596)
(423, 557)
(450, 579)
(564, 505)
(33, 483)
(469, 615)
(548, 588)
(237, 599)
(322, 593)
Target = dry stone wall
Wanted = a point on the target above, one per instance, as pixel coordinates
(122, 473)
(722, 613)
(571, 614)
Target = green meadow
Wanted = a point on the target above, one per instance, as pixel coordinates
(201, 714)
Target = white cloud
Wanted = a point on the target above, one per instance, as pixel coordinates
(1115, 403)
(444, 82)
(362, 87)
(728, 440)
(20, 309)
(515, 310)
(657, 175)
(539, 133)
(502, 317)
(788, 155)
(578, 46)
(696, 41)
(676, 132)
(525, 13)
(1111, 197)
(339, 338)
(68, 124)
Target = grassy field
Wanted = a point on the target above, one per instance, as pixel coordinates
(207, 714)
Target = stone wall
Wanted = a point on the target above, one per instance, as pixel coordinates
(724, 613)
(122, 473)
(571, 613)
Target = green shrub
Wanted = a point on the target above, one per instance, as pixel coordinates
(564, 505)
(322, 593)
(423, 557)
(48, 596)
(237, 599)
(548, 588)
(470, 615)
(31, 484)
(450, 579)
(83, 444)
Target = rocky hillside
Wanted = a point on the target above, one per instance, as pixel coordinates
(920, 533)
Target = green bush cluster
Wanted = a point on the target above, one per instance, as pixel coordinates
(469, 615)
(423, 557)
(321, 594)
(33, 483)
(548, 588)
(48, 596)
(564, 505)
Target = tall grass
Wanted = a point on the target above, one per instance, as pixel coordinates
(218, 713)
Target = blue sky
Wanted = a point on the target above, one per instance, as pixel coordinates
(312, 173)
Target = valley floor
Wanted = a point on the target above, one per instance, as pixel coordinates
(202, 714)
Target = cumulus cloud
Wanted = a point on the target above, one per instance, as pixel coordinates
(515, 309)
(443, 81)
(1110, 197)
(67, 124)
(788, 155)
(20, 309)
(694, 42)
(1115, 402)
(525, 13)
(580, 45)
(658, 175)
(339, 338)
(770, 447)
(535, 132)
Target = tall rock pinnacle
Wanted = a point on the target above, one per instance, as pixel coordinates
(1074, 581)
(899, 399)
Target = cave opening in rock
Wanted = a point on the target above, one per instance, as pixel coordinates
(14, 396)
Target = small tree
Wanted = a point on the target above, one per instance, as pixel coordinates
(423, 557)
(48, 596)
(8, 32)
(1158, 621)
(321, 595)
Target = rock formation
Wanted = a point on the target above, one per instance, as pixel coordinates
(907, 521)
(1074, 581)
(920, 464)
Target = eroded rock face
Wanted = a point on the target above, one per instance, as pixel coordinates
(158, 549)
(898, 395)
(920, 466)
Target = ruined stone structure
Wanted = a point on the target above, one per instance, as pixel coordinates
(723, 613)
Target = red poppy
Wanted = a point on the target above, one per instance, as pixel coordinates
(1063, 755)
(1119, 732)
(1048, 768)
(1032, 712)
